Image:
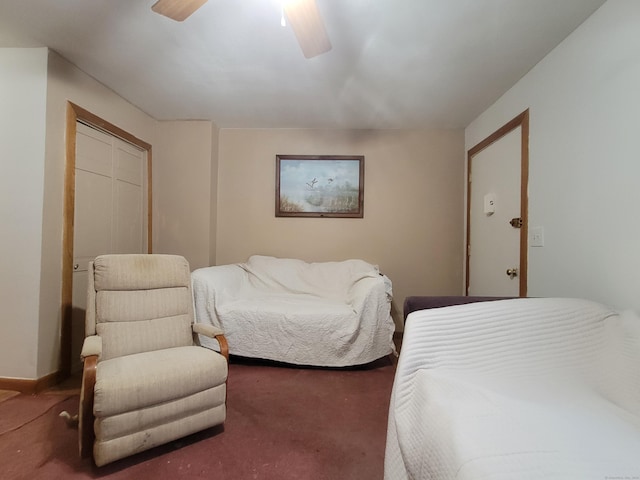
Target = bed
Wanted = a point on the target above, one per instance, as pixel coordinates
(331, 314)
(524, 388)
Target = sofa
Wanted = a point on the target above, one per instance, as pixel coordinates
(330, 314)
(522, 388)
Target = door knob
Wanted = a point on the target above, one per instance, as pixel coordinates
(512, 272)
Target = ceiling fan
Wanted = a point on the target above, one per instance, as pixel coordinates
(303, 16)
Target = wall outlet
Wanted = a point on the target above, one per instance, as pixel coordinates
(536, 237)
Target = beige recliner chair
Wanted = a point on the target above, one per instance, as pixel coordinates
(146, 381)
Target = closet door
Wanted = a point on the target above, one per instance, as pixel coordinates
(128, 228)
(109, 211)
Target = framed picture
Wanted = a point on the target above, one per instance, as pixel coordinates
(320, 186)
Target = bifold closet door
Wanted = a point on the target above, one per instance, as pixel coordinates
(109, 210)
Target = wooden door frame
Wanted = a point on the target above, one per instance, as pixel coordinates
(76, 113)
(522, 121)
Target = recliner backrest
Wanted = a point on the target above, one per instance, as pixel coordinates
(139, 303)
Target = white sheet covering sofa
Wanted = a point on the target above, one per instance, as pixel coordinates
(517, 389)
(330, 314)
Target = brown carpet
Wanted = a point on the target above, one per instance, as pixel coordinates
(282, 423)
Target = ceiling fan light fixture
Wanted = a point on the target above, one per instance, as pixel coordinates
(308, 27)
(178, 10)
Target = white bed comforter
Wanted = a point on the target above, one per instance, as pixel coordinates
(327, 314)
(517, 389)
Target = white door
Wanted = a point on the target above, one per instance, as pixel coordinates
(109, 211)
(496, 217)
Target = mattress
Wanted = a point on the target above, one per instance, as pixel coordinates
(526, 389)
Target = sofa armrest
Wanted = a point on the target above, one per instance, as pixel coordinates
(213, 332)
(210, 284)
(368, 289)
(230, 277)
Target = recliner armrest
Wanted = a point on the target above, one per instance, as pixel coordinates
(92, 346)
(207, 330)
(213, 332)
(91, 351)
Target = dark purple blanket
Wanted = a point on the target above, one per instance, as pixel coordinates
(411, 304)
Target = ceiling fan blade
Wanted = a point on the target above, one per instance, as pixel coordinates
(177, 10)
(306, 22)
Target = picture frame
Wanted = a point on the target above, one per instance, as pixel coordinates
(330, 186)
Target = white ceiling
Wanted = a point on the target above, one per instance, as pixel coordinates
(394, 63)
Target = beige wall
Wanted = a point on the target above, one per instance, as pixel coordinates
(65, 82)
(213, 220)
(35, 312)
(413, 205)
(182, 190)
(39, 83)
(36, 317)
(23, 91)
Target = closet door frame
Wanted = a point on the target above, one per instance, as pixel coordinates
(76, 114)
